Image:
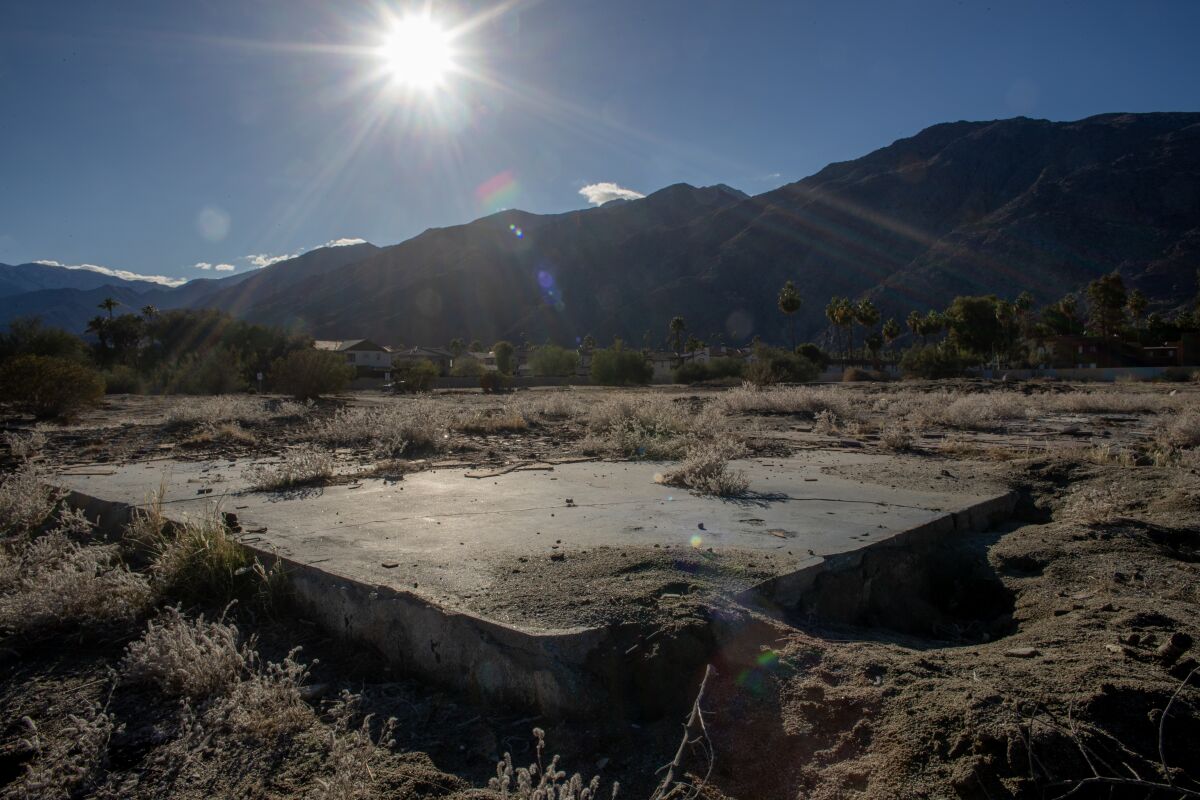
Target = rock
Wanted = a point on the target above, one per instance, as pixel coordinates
(314, 691)
(1022, 652)
(558, 556)
(1170, 650)
(388, 565)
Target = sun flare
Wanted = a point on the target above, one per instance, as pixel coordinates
(417, 53)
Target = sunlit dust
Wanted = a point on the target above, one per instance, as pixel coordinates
(418, 53)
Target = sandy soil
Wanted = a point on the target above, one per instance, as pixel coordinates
(1090, 597)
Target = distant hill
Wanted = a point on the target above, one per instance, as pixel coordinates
(74, 301)
(963, 207)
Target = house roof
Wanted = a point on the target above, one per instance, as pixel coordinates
(341, 345)
(437, 352)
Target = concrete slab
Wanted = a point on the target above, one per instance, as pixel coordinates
(405, 563)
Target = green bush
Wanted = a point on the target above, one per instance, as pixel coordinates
(773, 365)
(504, 352)
(1179, 374)
(620, 367)
(553, 360)
(814, 354)
(308, 374)
(216, 371)
(712, 370)
(48, 387)
(122, 379)
(494, 381)
(466, 367)
(933, 361)
(414, 376)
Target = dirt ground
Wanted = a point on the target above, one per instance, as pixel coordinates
(1053, 654)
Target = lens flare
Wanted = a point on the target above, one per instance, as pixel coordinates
(417, 53)
(499, 192)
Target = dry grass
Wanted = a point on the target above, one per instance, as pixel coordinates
(195, 561)
(301, 467)
(1095, 505)
(51, 582)
(352, 750)
(799, 400)
(1180, 431)
(232, 408)
(650, 426)
(25, 446)
(492, 422)
(67, 764)
(896, 437)
(224, 433)
(549, 405)
(402, 428)
(186, 658)
(705, 469)
(540, 781)
(26, 501)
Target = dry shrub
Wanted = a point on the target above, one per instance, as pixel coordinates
(186, 658)
(484, 422)
(1127, 400)
(195, 561)
(232, 408)
(352, 749)
(896, 437)
(825, 423)
(548, 405)
(1180, 431)
(301, 467)
(25, 446)
(649, 426)
(26, 501)
(68, 764)
(224, 433)
(405, 427)
(52, 582)
(803, 400)
(1110, 455)
(1095, 505)
(706, 469)
(543, 782)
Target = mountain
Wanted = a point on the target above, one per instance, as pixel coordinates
(21, 278)
(69, 301)
(959, 208)
(964, 207)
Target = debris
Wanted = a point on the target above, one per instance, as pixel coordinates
(1022, 652)
(389, 565)
(1170, 650)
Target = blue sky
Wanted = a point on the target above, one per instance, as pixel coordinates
(154, 136)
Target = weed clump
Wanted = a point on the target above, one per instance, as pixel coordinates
(706, 469)
(541, 781)
(393, 430)
(302, 467)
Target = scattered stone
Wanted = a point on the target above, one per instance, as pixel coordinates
(1170, 650)
(1022, 652)
(387, 565)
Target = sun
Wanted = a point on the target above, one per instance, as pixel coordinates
(417, 53)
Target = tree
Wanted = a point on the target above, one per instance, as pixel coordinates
(589, 343)
(866, 314)
(108, 304)
(914, 321)
(475, 346)
(414, 375)
(553, 360)
(1106, 301)
(1136, 303)
(149, 312)
(973, 325)
(48, 387)
(26, 336)
(692, 345)
(891, 331)
(456, 347)
(503, 352)
(789, 303)
(840, 313)
(677, 327)
(467, 366)
(617, 366)
(307, 374)
(932, 325)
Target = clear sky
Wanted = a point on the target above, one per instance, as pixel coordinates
(154, 135)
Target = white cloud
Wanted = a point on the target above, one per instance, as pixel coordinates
(202, 265)
(600, 193)
(266, 259)
(123, 274)
(343, 242)
(224, 267)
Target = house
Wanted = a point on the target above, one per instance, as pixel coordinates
(1094, 352)
(440, 358)
(368, 358)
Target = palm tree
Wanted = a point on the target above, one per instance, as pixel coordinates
(677, 327)
(840, 313)
(149, 312)
(913, 320)
(99, 326)
(891, 331)
(866, 314)
(108, 304)
(789, 303)
(589, 343)
(1137, 306)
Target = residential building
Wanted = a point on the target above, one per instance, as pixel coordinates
(368, 358)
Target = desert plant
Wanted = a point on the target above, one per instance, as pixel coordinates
(24, 446)
(52, 582)
(26, 500)
(48, 387)
(352, 750)
(197, 560)
(184, 657)
(705, 469)
(300, 467)
(308, 374)
(648, 426)
(493, 381)
(405, 428)
(122, 379)
(541, 781)
(67, 765)
(237, 409)
(773, 365)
